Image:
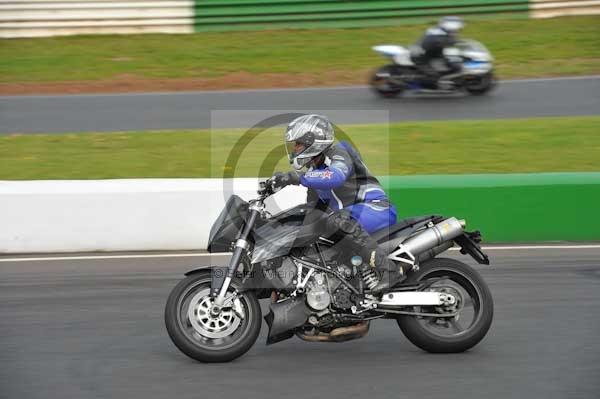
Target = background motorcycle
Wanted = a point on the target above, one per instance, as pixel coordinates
(213, 314)
(476, 75)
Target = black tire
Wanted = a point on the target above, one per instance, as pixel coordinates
(382, 86)
(423, 337)
(482, 86)
(198, 347)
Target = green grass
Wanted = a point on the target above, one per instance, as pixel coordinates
(522, 48)
(491, 146)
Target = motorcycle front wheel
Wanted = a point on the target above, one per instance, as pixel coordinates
(211, 338)
(479, 85)
(473, 310)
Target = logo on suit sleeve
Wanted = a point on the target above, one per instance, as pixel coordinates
(322, 174)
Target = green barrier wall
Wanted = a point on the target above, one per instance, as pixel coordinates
(508, 207)
(264, 14)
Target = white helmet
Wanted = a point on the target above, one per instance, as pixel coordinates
(314, 132)
(451, 24)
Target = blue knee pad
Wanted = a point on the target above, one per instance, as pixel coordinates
(373, 217)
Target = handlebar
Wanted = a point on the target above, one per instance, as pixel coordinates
(265, 189)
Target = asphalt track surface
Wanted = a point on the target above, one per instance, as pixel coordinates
(190, 110)
(94, 329)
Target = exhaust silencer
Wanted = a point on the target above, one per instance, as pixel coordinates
(435, 251)
(430, 238)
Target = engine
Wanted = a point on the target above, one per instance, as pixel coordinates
(317, 293)
(282, 273)
(342, 298)
(323, 291)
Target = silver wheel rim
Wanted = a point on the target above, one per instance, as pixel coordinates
(204, 323)
(467, 307)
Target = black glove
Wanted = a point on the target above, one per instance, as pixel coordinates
(281, 180)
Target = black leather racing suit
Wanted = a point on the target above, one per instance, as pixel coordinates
(432, 44)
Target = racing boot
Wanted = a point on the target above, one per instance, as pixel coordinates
(377, 271)
(382, 273)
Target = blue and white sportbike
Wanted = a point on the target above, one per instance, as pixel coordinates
(467, 66)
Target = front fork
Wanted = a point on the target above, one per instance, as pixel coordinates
(241, 245)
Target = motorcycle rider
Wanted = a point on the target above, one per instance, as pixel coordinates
(347, 201)
(430, 48)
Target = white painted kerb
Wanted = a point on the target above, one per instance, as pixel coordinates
(119, 215)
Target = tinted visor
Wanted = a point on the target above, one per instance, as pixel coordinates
(294, 148)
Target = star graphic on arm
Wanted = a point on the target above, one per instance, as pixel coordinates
(326, 174)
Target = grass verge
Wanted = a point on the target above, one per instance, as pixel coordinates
(491, 146)
(522, 48)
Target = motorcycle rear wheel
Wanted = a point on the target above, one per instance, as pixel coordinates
(203, 337)
(381, 84)
(456, 334)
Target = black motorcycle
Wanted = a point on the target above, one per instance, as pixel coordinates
(316, 291)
